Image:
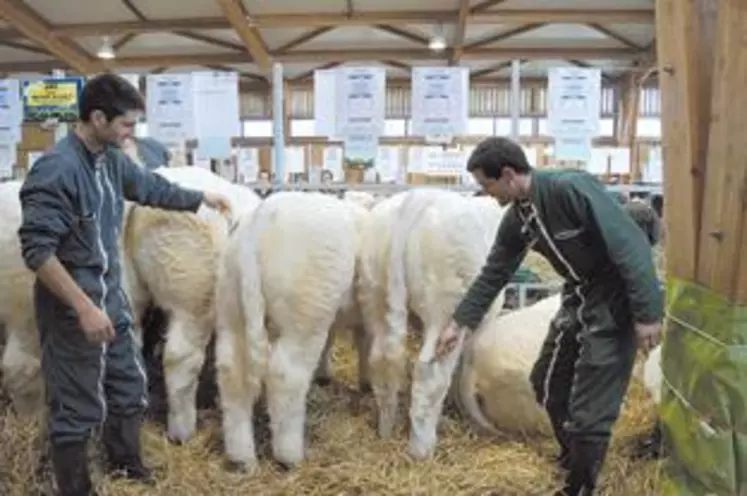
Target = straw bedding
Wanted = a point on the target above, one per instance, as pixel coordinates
(345, 457)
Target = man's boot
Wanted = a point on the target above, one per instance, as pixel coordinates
(561, 436)
(584, 464)
(122, 441)
(70, 462)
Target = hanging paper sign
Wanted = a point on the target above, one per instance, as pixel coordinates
(574, 101)
(440, 101)
(11, 112)
(170, 108)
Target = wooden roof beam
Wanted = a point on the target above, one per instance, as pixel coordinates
(237, 17)
(22, 46)
(304, 56)
(486, 5)
(459, 32)
(505, 35)
(490, 70)
(397, 65)
(304, 38)
(210, 40)
(615, 36)
(396, 18)
(124, 40)
(128, 37)
(310, 74)
(37, 29)
(586, 65)
(403, 33)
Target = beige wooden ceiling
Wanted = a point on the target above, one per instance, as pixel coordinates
(184, 35)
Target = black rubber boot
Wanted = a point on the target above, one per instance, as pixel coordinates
(122, 441)
(70, 462)
(557, 420)
(584, 464)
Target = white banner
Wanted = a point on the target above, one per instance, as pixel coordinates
(325, 103)
(440, 101)
(11, 112)
(216, 104)
(361, 101)
(170, 107)
(574, 101)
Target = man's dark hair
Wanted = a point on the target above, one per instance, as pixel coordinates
(493, 154)
(111, 94)
(646, 218)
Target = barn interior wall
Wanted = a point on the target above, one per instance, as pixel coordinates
(489, 110)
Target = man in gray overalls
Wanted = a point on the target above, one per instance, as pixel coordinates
(72, 201)
(611, 297)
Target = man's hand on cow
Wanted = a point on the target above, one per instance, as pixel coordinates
(447, 340)
(648, 335)
(218, 202)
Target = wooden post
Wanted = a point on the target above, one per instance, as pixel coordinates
(684, 31)
(723, 220)
(702, 56)
(629, 130)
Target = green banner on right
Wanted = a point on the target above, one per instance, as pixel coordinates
(704, 396)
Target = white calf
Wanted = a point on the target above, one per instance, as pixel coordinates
(362, 198)
(171, 260)
(420, 252)
(349, 317)
(287, 271)
(496, 365)
(651, 374)
(20, 359)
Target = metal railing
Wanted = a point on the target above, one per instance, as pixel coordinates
(522, 289)
(459, 188)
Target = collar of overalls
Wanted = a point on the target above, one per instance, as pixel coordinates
(92, 159)
(537, 177)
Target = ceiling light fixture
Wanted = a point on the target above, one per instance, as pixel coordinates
(106, 51)
(437, 42)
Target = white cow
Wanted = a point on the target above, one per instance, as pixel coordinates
(287, 271)
(421, 250)
(496, 365)
(20, 360)
(651, 374)
(171, 260)
(168, 257)
(349, 318)
(362, 198)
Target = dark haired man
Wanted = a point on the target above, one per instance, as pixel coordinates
(72, 201)
(611, 296)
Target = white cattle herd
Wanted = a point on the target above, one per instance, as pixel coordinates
(278, 281)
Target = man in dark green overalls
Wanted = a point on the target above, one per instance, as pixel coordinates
(611, 296)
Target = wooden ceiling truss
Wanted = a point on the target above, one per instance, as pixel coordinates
(33, 33)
